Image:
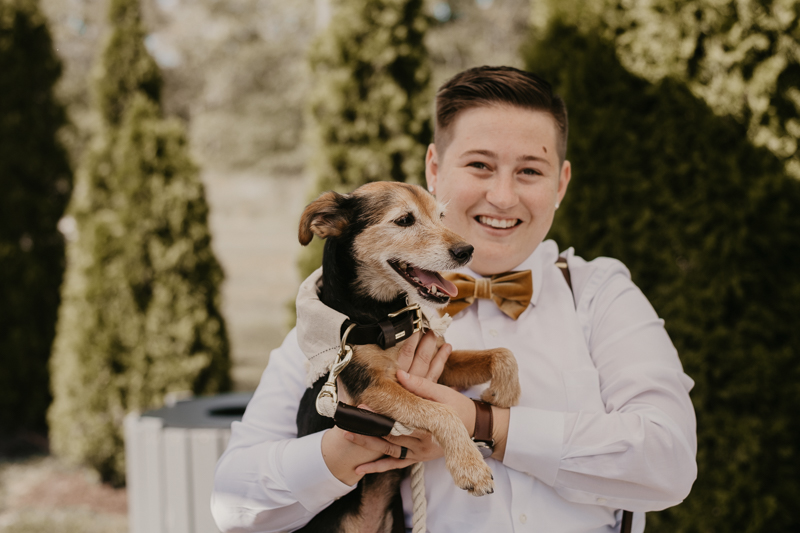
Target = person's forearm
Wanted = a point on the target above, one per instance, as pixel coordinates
(500, 420)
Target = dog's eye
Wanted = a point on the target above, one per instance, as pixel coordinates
(405, 221)
(441, 216)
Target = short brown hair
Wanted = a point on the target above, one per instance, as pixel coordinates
(485, 86)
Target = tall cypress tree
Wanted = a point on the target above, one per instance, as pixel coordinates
(35, 180)
(370, 104)
(141, 311)
(707, 223)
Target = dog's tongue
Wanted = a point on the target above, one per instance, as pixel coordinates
(428, 278)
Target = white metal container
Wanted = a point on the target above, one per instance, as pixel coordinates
(170, 456)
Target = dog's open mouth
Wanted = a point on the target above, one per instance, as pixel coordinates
(429, 284)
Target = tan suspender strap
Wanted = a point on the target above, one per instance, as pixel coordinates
(627, 516)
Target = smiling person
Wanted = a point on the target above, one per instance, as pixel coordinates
(604, 422)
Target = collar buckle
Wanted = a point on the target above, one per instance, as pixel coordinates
(417, 321)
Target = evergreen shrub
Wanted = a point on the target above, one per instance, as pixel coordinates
(35, 181)
(141, 310)
(370, 103)
(740, 57)
(708, 225)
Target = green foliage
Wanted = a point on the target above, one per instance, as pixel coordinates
(140, 314)
(742, 58)
(35, 179)
(707, 224)
(370, 103)
(127, 68)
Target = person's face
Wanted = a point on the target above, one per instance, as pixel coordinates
(500, 179)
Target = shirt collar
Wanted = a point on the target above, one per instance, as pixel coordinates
(545, 253)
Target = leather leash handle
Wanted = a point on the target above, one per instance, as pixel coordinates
(362, 421)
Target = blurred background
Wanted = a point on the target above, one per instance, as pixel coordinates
(155, 156)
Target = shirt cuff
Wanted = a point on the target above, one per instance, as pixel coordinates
(307, 476)
(534, 443)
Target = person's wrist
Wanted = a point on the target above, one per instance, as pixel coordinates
(469, 417)
(501, 418)
(483, 435)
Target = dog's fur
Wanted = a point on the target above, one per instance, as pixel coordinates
(380, 223)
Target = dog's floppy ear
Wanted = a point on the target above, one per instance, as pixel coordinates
(324, 217)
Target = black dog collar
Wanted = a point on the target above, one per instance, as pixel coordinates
(387, 333)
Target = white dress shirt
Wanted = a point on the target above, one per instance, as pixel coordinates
(604, 421)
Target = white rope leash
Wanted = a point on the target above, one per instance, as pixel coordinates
(418, 500)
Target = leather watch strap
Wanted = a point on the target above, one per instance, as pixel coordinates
(484, 422)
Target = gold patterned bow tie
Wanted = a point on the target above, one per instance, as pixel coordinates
(511, 291)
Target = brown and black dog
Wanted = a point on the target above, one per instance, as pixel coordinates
(384, 244)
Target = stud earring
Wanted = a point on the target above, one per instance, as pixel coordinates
(430, 189)
(557, 204)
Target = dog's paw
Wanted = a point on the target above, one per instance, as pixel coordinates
(473, 475)
(503, 394)
(504, 390)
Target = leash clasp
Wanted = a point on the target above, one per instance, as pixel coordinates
(329, 389)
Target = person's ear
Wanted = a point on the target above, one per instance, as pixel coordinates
(431, 167)
(563, 180)
(324, 217)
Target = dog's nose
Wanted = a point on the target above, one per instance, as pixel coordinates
(462, 252)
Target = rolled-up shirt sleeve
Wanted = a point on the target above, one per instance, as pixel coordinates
(268, 479)
(639, 454)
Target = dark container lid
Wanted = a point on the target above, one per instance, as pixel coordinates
(204, 411)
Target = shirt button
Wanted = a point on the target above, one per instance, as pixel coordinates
(523, 518)
(493, 332)
(602, 501)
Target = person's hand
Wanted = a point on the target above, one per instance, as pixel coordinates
(420, 444)
(424, 388)
(464, 407)
(419, 366)
(419, 357)
(420, 447)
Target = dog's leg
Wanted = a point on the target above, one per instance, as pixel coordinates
(466, 368)
(463, 459)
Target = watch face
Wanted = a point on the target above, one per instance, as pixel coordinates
(484, 448)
